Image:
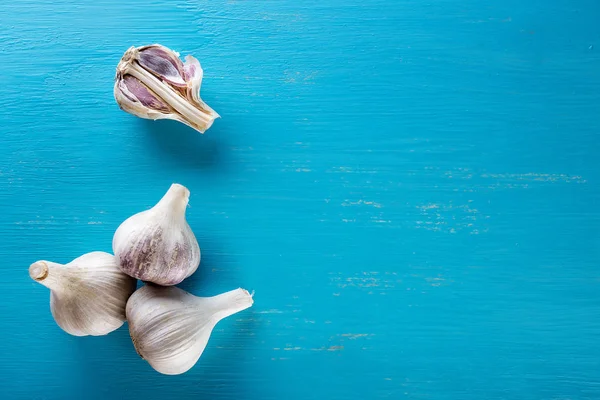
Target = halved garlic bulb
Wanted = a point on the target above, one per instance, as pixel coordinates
(158, 245)
(153, 83)
(87, 295)
(171, 327)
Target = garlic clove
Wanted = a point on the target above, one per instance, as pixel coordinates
(134, 89)
(158, 245)
(163, 63)
(87, 295)
(193, 72)
(169, 88)
(170, 327)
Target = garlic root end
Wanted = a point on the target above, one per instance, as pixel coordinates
(135, 346)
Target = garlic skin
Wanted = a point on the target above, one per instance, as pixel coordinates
(170, 327)
(158, 245)
(87, 295)
(152, 83)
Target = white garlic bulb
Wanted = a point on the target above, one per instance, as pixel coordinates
(87, 295)
(158, 245)
(171, 327)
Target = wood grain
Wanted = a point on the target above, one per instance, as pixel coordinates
(411, 188)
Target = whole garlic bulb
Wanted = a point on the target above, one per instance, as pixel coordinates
(87, 295)
(171, 327)
(158, 245)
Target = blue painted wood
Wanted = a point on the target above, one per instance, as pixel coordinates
(410, 187)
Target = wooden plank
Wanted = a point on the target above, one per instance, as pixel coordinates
(411, 188)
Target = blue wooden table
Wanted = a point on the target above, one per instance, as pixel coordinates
(410, 187)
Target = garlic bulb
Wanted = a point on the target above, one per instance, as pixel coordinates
(87, 295)
(158, 245)
(171, 327)
(153, 83)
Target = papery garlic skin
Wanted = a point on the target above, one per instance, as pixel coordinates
(87, 295)
(158, 245)
(170, 327)
(152, 83)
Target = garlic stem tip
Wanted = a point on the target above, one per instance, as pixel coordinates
(38, 271)
(180, 189)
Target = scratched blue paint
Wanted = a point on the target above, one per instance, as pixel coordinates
(411, 188)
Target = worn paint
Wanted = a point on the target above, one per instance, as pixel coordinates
(411, 188)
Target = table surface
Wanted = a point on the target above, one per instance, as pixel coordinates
(411, 188)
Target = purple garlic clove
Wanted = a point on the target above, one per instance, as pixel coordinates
(153, 83)
(163, 63)
(136, 91)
